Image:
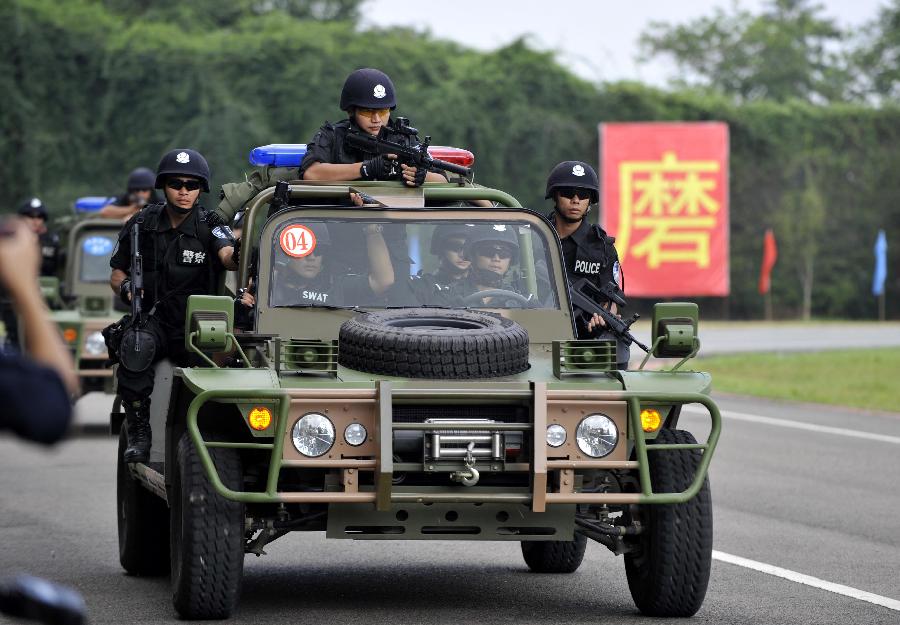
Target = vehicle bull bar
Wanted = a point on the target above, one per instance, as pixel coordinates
(385, 493)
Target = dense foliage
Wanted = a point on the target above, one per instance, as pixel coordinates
(94, 88)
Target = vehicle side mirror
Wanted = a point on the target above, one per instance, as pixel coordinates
(675, 329)
(210, 321)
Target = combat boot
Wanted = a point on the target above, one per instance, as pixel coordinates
(137, 417)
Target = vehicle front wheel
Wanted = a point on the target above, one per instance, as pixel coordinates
(143, 520)
(669, 571)
(207, 546)
(554, 556)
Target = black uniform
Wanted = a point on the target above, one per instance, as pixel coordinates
(326, 289)
(51, 256)
(589, 253)
(36, 405)
(177, 262)
(328, 146)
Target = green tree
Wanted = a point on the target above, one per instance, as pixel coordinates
(878, 58)
(788, 51)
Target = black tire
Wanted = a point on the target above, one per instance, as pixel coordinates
(143, 520)
(554, 556)
(668, 575)
(207, 546)
(425, 343)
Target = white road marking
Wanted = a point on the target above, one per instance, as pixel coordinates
(799, 425)
(808, 580)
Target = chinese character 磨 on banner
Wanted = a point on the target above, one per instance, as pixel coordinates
(665, 199)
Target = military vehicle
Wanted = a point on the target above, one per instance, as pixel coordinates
(372, 406)
(86, 304)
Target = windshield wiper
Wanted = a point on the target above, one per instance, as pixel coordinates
(428, 306)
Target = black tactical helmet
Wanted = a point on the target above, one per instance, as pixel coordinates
(33, 208)
(445, 231)
(183, 162)
(141, 178)
(369, 89)
(498, 233)
(574, 174)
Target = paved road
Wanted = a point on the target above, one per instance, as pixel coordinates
(821, 501)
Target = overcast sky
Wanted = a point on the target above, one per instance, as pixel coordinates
(598, 39)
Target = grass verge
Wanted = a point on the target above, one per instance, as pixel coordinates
(862, 378)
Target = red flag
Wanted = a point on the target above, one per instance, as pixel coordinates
(770, 255)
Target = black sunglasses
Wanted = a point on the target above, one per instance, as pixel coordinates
(176, 184)
(500, 251)
(571, 192)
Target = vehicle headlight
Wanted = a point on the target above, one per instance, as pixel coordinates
(355, 434)
(597, 435)
(313, 434)
(94, 345)
(556, 435)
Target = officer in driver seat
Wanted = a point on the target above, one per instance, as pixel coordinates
(184, 249)
(491, 250)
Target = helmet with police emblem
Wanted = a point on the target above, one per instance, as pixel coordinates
(574, 174)
(183, 162)
(33, 207)
(486, 235)
(141, 178)
(446, 231)
(369, 89)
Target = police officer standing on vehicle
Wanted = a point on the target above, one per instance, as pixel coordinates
(34, 213)
(138, 193)
(184, 249)
(368, 97)
(588, 252)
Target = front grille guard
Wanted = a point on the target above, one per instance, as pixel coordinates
(386, 493)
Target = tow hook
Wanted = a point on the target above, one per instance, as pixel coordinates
(468, 476)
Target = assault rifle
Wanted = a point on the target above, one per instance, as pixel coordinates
(137, 347)
(586, 297)
(415, 155)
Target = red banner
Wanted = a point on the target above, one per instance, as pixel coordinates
(665, 199)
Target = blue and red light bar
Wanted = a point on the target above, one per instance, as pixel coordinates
(91, 203)
(291, 155)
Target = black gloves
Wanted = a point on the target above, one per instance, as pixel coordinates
(378, 168)
(125, 291)
(420, 176)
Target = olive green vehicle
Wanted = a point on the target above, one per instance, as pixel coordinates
(406, 414)
(85, 303)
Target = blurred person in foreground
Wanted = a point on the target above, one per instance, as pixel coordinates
(35, 390)
(138, 193)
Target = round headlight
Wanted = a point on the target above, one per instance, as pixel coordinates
(556, 435)
(94, 345)
(313, 434)
(355, 434)
(597, 435)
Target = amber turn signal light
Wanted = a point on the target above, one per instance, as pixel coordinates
(260, 418)
(650, 419)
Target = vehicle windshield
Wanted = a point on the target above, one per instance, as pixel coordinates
(95, 250)
(372, 263)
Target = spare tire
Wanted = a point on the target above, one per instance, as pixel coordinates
(427, 343)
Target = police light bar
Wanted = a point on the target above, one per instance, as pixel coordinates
(457, 156)
(291, 154)
(91, 203)
(278, 155)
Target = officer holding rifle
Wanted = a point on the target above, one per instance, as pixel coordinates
(368, 97)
